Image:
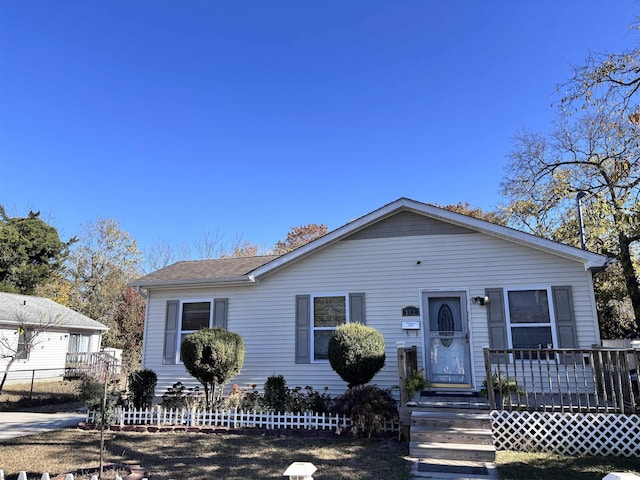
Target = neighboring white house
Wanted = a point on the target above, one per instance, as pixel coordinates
(62, 331)
(445, 282)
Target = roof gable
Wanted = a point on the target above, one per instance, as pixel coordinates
(435, 218)
(406, 223)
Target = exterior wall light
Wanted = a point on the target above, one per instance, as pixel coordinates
(480, 300)
(300, 471)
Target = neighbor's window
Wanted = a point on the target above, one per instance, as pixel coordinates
(531, 322)
(328, 312)
(24, 344)
(79, 343)
(194, 316)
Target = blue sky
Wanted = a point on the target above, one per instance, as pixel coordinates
(250, 117)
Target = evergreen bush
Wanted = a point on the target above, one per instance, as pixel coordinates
(356, 353)
(91, 391)
(275, 393)
(142, 388)
(369, 407)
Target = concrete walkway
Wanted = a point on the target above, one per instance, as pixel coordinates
(19, 424)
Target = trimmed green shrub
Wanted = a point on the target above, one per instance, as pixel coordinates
(308, 399)
(275, 393)
(279, 398)
(90, 392)
(369, 407)
(142, 388)
(180, 396)
(356, 353)
(213, 356)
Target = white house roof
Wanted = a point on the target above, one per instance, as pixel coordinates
(244, 270)
(18, 309)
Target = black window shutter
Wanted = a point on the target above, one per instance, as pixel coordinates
(497, 321)
(171, 332)
(565, 319)
(356, 308)
(303, 329)
(220, 307)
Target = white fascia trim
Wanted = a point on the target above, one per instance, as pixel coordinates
(226, 281)
(589, 259)
(330, 237)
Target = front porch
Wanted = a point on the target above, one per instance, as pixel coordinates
(566, 401)
(82, 364)
(595, 380)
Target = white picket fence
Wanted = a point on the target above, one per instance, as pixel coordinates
(160, 417)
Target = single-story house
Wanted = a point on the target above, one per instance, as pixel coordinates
(45, 335)
(446, 283)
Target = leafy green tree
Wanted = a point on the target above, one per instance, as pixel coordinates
(593, 152)
(31, 252)
(128, 317)
(356, 353)
(213, 356)
(57, 288)
(102, 262)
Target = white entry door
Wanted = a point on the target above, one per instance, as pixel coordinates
(448, 349)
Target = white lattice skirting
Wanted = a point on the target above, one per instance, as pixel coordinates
(567, 433)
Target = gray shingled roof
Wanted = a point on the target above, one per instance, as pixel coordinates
(16, 309)
(205, 270)
(247, 270)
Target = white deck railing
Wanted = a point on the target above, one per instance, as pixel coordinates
(567, 380)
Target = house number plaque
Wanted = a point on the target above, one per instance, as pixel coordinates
(411, 311)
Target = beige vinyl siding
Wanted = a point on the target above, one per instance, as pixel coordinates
(387, 271)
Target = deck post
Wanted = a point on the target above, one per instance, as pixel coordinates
(490, 392)
(402, 373)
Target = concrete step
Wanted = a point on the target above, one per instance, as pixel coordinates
(452, 451)
(477, 436)
(454, 470)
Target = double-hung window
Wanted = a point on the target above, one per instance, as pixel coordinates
(24, 344)
(530, 318)
(194, 315)
(327, 313)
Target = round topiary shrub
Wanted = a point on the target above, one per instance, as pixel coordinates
(213, 356)
(356, 353)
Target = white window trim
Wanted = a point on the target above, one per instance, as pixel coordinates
(181, 332)
(313, 328)
(552, 313)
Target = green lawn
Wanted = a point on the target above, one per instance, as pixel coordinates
(544, 466)
(246, 457)
(207, 456)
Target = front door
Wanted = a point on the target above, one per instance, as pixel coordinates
(448, 349)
